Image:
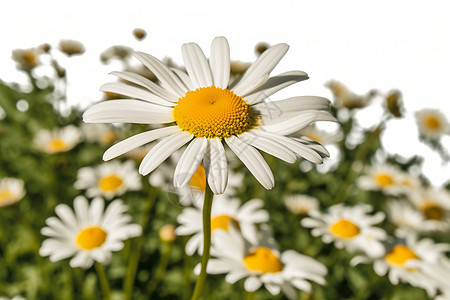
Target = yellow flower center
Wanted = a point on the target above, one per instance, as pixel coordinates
(110, 183)
(213, 112)
(108, 137)
(433, 123)
(344, 229)
(198, 180)
(57, 145)
(5, 195)
(30, 57)
(383, 179)
(222, 222)
(264, 260)
(91, 237)
(399, 255)
(432, 211)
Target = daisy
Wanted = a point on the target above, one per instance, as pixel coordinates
(405, 216)
(108, 179)
(224, 211)
(301, 204)
(348, 227)
(262, 264)
(204, 110)
(58, 140)
(89, 233)
(99, 133)
(421, 263)
(434, 204)
(382, 177)
(432, 123)
(345, 98)
(71, 47)
(11, 191)
(26, 59)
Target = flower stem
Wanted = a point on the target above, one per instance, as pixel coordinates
(207, 204)
(161, 269)
(136, 250)
(103, 280)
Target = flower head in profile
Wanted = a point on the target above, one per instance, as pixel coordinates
(109, 179)
(204, 110)
(11, 191)
(89, 233)
(343, 97)
(71, 47)
(421, 263)
(432, 123)
(224, 212)
(26, 59)
(262, 264)
(349, 227)
(301, 204)
(58, 140)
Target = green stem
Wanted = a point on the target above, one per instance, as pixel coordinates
(103, 280)
(136, 251)
(187, 272)
(207, 204)
(161, 269)
(249, 295)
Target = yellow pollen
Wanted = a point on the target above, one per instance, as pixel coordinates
(30, 57)
(383, 179)
(432, 211)
(344, 229)
(91, 237)
(110, 183)
(222, 222)
(198, 180)
(432, 123)
(57, 145)
(399, 255)
(5, 195)
(264, 260)
(213, 112)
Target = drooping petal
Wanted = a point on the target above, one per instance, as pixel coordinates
(184, 77)
(197, 65)
(269, 146)
(216, 166)
(220, 62)
(189, 161)
(125, 89)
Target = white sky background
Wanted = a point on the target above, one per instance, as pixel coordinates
(364, 44)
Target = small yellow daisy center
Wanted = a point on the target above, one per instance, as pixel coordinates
(213, 112)
(30, 57)
(344, 229)
(399, 255)
(198, 180)
(57, 145)
(383, 179)
(5, 195)
(264, 260)
(432, 211)
(432, 123)
(110, 183)
(108, 137)
(222, 222)
(91, 237)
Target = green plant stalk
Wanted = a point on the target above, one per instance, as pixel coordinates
(207, 204)
(249, 295)
(187, 277)
(103, 280)
(136, 251)
(161, 269)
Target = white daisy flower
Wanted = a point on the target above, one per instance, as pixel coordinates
(343, 97)
(421, 263)
(432, 123)
(109, 179)
(202, 108)
(405, 216)
(89, 233)
(262, 265)
(382, 177)
(434, 204)
(99, 133)
(71, 47)
(26, 59)
(224, 211)
(348, 227)
(58, 140)
(11, 191)
(445, 294)
(301, 204)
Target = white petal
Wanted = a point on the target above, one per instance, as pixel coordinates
(274, 84)
(161, 151)
(66, 215)
(134, 92)
(216, 166)
(244, 90)
(163, 73)
(96, 210)
(292, 124)
(219, 61)
(269, 146)
(81, 207)
(185, 78)
(128, 111)
(252, 283)
(253, 160)
(138, 140)
(148, 84)
(189, 161)
(196, 65)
